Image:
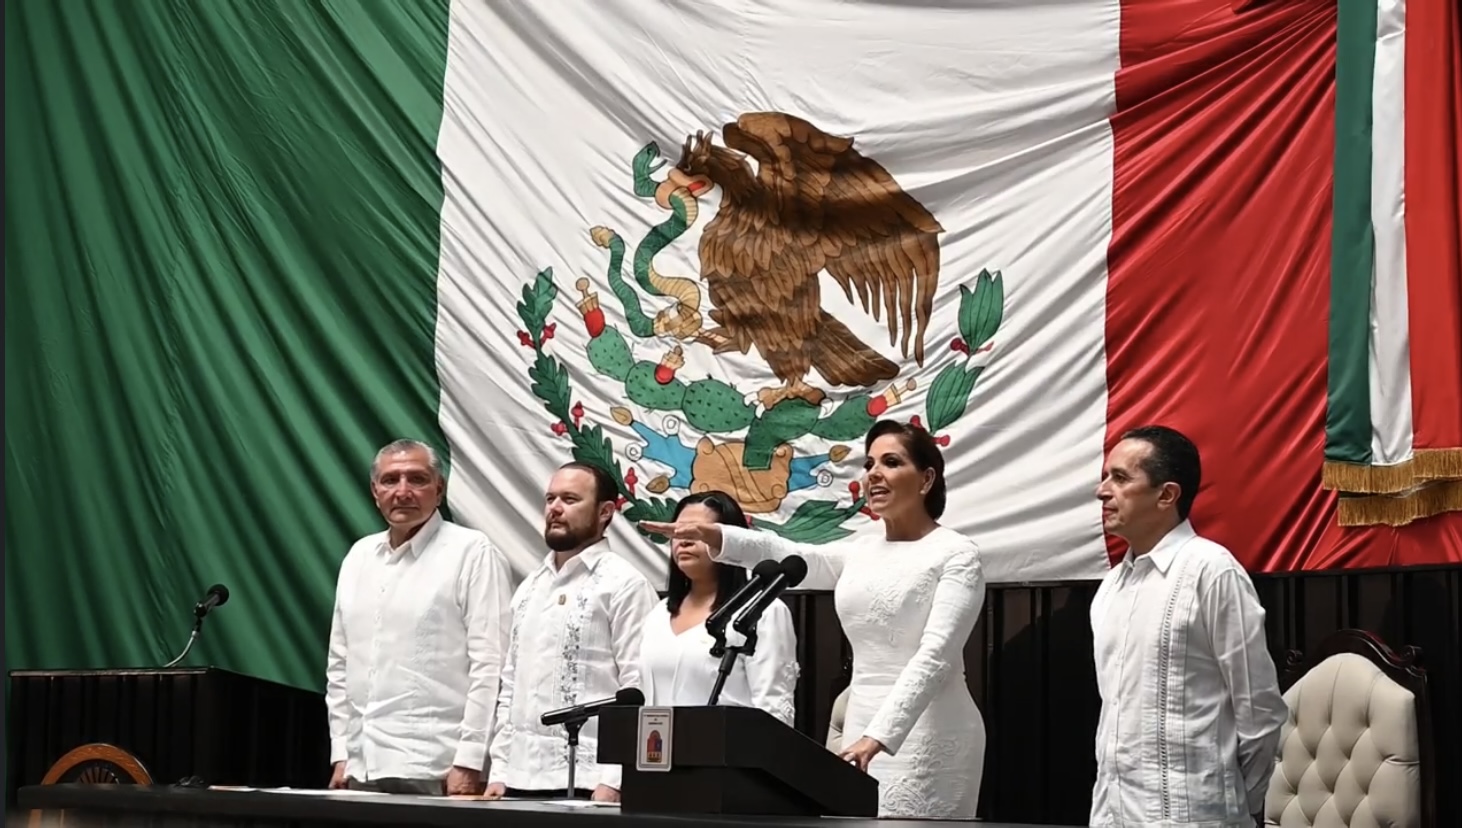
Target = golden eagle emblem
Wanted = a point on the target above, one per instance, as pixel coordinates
(814, 203)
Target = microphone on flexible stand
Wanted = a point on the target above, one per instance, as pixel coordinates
(716, 623)
(790, 572)
(217, 596)
(575, 717)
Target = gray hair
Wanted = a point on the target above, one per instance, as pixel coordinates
(403, 445)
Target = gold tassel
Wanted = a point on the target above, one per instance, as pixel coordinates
(1398, 510)
(1425, 466)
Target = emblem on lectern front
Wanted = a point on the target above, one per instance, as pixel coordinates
(657, 732)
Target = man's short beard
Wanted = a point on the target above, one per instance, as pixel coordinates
(567, 540)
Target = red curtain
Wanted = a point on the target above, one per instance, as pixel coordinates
(1218, 270)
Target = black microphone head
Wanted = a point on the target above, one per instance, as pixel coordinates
(767, 570)
(794, 569)
(221, 591)
(630, 696)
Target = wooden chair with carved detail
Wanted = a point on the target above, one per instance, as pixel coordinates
(1357, 749)
(93, 764)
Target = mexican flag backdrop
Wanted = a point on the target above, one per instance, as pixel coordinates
(707, 245)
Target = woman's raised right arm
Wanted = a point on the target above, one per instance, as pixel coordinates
(749, 547)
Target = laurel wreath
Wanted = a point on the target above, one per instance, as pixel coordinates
(981, 311)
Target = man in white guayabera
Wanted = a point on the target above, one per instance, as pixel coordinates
(417, 641)
(576, 629)
(1191, 708)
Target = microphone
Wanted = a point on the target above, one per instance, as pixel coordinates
(573, 718)
(793, 570)
(629, 696)
(217, 596)
(785, 573)
(760, 577)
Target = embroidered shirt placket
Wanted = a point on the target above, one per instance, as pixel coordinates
(569, 683)
(1165, 670)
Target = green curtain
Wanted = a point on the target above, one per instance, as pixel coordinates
(221, 253)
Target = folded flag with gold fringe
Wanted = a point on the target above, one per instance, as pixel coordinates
(1393, 439)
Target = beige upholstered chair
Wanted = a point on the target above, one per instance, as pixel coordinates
(1356, 751)
(835, 722)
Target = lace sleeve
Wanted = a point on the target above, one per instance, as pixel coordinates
(958, 597)
(748, 547)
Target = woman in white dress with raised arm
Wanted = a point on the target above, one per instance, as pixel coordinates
(908, 602)
(676, 665)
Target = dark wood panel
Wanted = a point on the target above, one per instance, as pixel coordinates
(220, 726)
(1029, 667)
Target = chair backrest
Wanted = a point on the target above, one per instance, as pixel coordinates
(95, 763)
(1356, 751)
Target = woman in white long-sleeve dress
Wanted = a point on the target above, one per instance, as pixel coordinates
(676, 665)
(908, 602)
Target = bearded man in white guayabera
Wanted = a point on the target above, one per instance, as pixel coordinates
(1191, 708)
(416, 641)
(907, 602)
(575, 638)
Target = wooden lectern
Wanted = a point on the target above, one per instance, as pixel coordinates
(733, 760)
(161, 726)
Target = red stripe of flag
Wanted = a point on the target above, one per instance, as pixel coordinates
(1218, 270)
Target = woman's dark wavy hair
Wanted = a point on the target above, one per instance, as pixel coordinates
(731, 578)
(925, 453)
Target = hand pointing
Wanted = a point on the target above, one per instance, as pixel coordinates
(706, 533)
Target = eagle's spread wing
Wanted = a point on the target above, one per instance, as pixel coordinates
(850, 217)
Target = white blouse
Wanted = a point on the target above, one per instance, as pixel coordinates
(679, 670)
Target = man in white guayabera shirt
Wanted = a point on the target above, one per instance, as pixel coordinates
(1191, 708)
(575, 638)
(417, 641)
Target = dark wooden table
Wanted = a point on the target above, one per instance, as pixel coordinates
(172, 807)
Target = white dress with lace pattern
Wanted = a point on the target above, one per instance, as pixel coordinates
(908, 609)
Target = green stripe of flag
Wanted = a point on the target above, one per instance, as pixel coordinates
(1348, 414)
(222, 224)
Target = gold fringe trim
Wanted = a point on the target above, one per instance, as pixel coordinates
(1398, 510)
(1425, 466)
